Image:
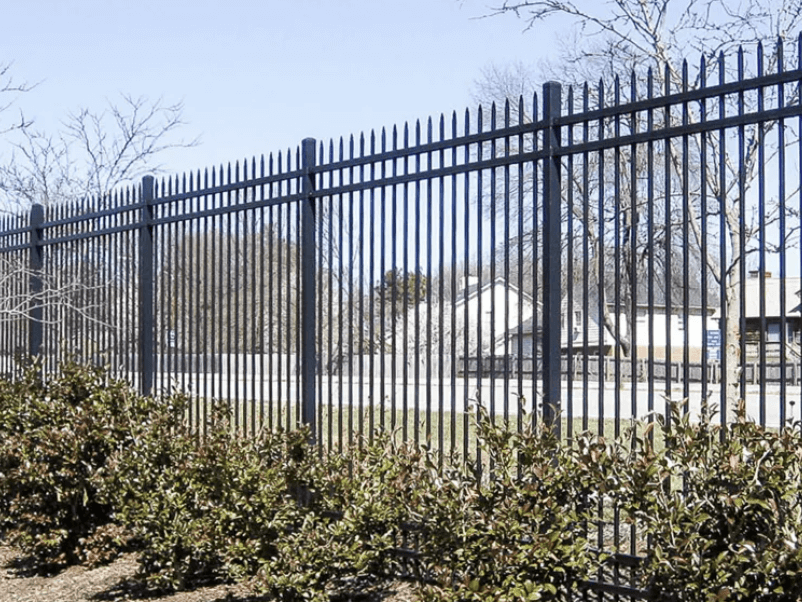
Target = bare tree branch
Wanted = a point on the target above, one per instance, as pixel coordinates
(95, 153)
(9, 90)
(60, 293)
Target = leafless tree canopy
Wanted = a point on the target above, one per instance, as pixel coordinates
(10, 89)
(624, 35)
(95, 152)
(649, 41)
(92, 154)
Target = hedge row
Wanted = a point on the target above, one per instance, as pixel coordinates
(89, 468)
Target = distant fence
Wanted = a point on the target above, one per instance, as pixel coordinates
(577, 368)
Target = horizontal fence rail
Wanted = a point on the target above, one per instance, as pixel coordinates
(584, 258)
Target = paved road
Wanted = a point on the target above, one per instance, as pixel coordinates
(498, 395)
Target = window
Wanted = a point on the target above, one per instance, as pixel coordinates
(773, 332)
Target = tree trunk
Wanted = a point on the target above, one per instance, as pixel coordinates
(732, 349)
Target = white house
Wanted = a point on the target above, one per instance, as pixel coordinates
(655, 329)
(652, 329)
(575, 333)
(489, 311)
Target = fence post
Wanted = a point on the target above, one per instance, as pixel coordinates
(308, 287)
(35, 325)
(552, 257)
(146, 300)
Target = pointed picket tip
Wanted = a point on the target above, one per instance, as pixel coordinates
(321, 149)
(760, 59)
(780, 48)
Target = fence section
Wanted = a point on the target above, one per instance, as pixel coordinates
(402, 278)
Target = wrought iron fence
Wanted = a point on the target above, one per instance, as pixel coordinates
(584, 258)
(580, 257)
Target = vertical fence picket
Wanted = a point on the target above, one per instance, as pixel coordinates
(552, 254)
(36, 262)
(146, 289)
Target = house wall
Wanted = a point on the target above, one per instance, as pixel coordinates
(642, 338)
(654, 333)
(527, 345)
(496, 309)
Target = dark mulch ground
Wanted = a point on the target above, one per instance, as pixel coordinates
(116, 581)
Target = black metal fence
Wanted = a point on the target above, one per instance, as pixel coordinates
(581, 258)
(399, 279)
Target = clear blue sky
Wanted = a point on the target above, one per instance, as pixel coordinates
(257, 76)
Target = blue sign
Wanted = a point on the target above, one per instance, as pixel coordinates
(713, 344)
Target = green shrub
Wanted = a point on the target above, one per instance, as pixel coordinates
(86, 464)
(55, 441)
(518, 533)
(361, 501)
(724, 514)
(208, 509)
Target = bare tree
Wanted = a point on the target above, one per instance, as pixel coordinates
(232, 289)
(650, 40)
(95, 152)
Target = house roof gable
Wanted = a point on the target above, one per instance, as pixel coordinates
(474, 290)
